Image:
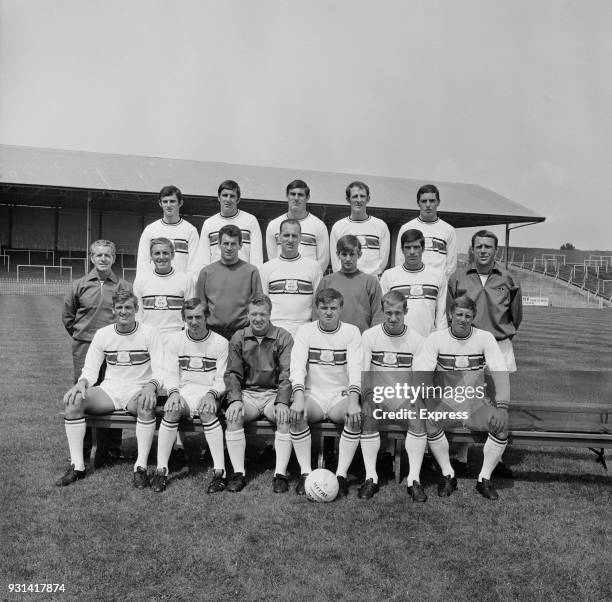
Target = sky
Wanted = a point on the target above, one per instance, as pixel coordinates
(513, 95)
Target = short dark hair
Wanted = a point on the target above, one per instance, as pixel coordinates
(464, 302)
(485, 234)
(229, 185)
(122, 296)
(326, 295)
(412, 236)
(230, 230)
(161, 241)
(348, 242)
(394, 297)
(261, 300)
(292, 221)
(189, 304)
(298, 184)
(427, 188)
(357, 184)
(169, 191)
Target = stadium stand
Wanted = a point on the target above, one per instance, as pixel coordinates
(589, 272)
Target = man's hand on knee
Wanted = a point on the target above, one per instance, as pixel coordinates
(174, 403)
(297, 412)
(282, 414)
(207, 405)
(235, 411)
(75, 393)
(146, 398)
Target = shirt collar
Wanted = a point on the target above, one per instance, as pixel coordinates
(93, 275)
(472, 268)
(271, 334)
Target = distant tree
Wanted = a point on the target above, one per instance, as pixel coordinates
(567, 246)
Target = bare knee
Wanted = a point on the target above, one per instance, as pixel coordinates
(172, 416)
(145, 414)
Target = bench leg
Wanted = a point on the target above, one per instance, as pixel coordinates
(94, 449)
(321, 456)
(601, 456)
(397, 460)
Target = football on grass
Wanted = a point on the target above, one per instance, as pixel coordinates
(321, 485)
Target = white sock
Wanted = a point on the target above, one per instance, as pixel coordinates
(282, 447)
(493, 451)
(75, 433)
(439, 448)
(370, 444)
(145, 431)
(180, 440)
(236, 447)
(165, 441)
(415, 448)
(462, 452)
(213, 432)
(349, 442)
(302, 443)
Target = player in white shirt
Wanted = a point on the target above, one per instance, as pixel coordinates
(388, 352)
(183, 235)
(209, 250)
(440, 237)
(160, 297)
(372, 232)
(195, 362)
(325, 375)
(423, 286)
(134, 372)
(290, 280)
(459, 355)
(161, 293)
(314, 238)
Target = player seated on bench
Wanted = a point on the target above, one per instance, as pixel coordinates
(388, 352)
(257, 382)
(134, 372)
(459, 355)
(195, 361)
(326, 379)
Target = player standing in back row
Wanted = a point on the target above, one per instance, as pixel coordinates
(183, 235)
(440, 237)
(314, 240)
(372, 233)
(209, 249)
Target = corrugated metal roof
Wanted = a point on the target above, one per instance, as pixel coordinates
(45, 167)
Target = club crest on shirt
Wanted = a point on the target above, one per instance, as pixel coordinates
(196, 363)
(161, 302)
(123, 358)
(291, 286)
(327, 356)
(462, 361)
(416, 290)
(390, 358)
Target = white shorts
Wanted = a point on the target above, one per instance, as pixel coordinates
(259, 399)
(193, 394)
(325, 403)
(508, 353)
(119, 392)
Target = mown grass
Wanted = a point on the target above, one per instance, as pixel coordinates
(549, 537)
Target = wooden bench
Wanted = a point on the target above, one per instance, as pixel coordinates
(324, 431)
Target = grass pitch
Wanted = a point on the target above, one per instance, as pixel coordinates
(548, 537)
